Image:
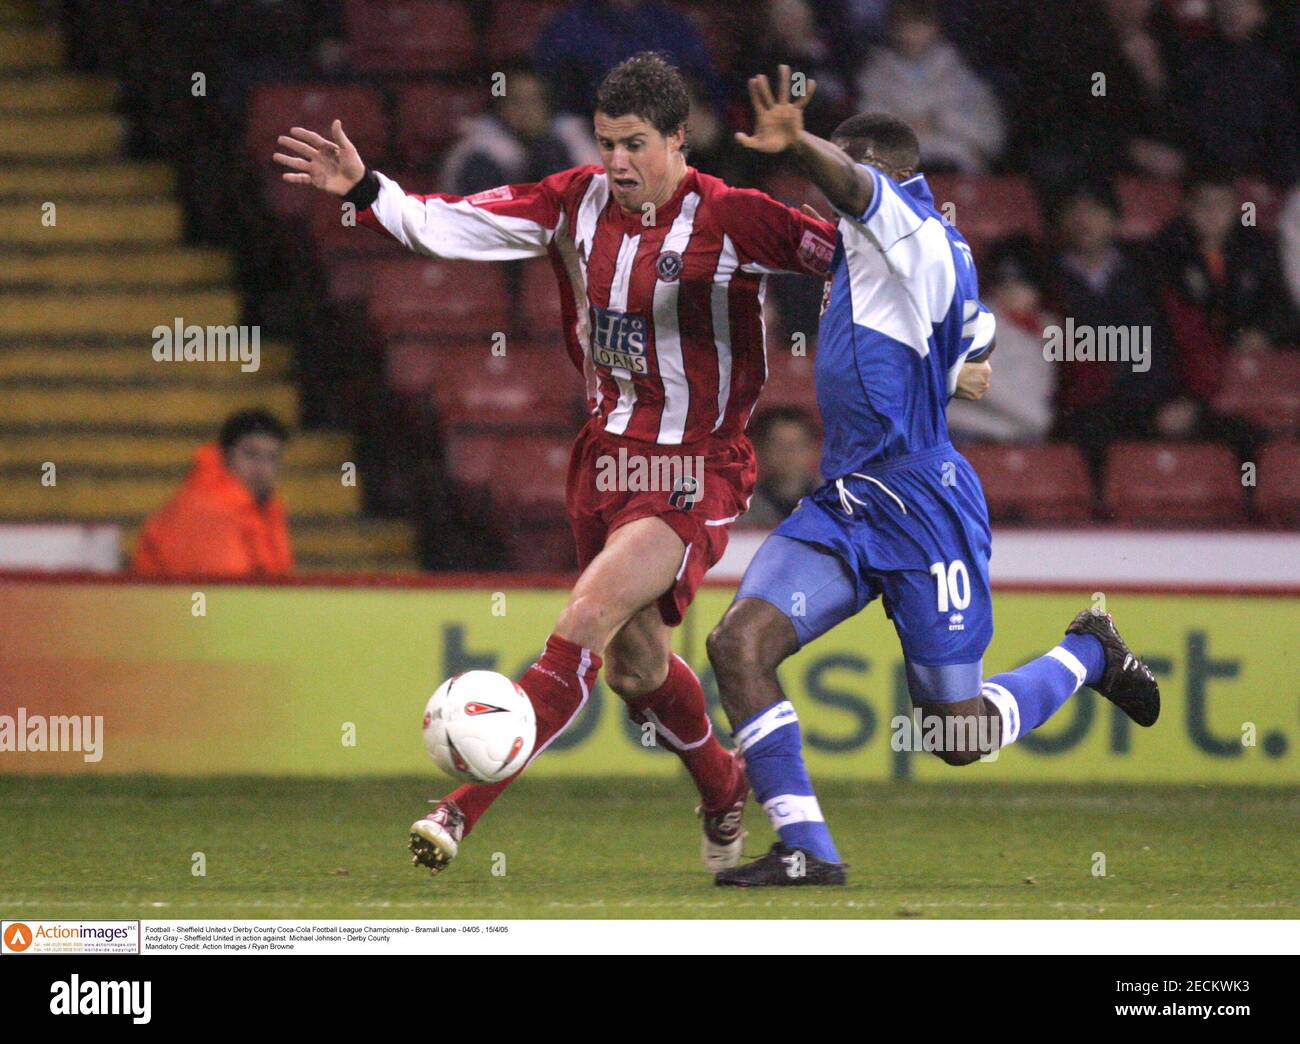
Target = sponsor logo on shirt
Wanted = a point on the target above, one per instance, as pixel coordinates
(491, 195)
(815, 251)
(618, 340)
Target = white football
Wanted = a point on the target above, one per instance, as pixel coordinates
(480, 727)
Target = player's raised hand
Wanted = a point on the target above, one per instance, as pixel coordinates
(332, 166)
(778, 120)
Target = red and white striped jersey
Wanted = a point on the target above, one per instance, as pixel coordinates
(663, 313)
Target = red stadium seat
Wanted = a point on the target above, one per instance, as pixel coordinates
(1277, 488)
(539, 305)
(410, 35)
(1174, 482)
(987, 208)
(439, 298)
(516, 25)
(789, 380)
(274, 108)
(1264, 388)
(1032, 483)
(1146, 205)
(543, 545)
(429, 117)
(332, 239)
(522, 472)
(531, 386)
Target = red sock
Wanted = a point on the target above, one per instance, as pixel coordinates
(558, 685)
(677, 709)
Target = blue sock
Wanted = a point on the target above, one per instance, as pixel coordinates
(772, 747)
(1029, 695)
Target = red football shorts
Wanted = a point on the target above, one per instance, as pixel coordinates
(698, 488)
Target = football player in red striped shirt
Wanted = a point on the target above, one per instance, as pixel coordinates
(661, 271)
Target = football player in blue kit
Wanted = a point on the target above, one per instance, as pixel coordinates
(901, 514)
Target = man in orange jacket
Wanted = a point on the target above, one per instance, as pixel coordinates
(226, 519)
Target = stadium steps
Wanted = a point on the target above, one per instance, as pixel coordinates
(107, 361)
(167, 268)
(168, 453)
(94, 495)
(108, 179)
(79, 299)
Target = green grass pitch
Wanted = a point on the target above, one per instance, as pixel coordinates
(615, 848)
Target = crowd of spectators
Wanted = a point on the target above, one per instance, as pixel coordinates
(1194, 100)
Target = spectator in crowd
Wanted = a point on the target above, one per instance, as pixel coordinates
(1222, 281)
(1238, 94)
(1222, 291)
(1097, 281)
(1093, 82)
(919, 77)
(590, 37)
(788, 446)
(1018, 405)
(787, 32)
(711, 147)
(518, 140)
(226, 520)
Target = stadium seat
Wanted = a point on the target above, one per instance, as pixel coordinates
(1146, 205)
(1174, 483)
(1263, 388)
(1277, 489)
(988, 208)
(428, 120)
(274, 108)
(542, 545)
(515, 26)
(539, 304)
(522, 472)
(439, 298)
(1032, 483)
(410, 35)
(531, 386)
(333, 240)
(789, 380)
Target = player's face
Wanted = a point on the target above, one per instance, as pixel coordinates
(255, 461)
(643, 165)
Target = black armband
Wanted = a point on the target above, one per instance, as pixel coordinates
(364, 192)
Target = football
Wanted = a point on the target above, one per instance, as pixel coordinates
(479, 727)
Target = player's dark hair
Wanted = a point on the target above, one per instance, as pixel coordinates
(880, 139)
(649, 86)
(250, 422)
(767, 421)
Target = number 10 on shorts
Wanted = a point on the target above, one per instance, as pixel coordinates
(952, 585)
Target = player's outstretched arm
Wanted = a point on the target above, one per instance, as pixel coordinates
(331, 166)
(778, 127)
